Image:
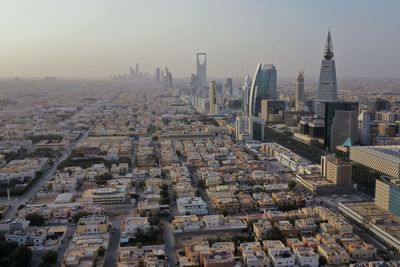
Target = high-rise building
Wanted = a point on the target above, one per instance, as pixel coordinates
(246, 94)
(270, 110)
(327, 88)
(158, 75)
(137, 68)
(169, 80)
(364, 127)
(201, 59)
(131, 72)
(299, 99)
(213, 97)
(335, 170)
(244, 127)
(381, 105)
(262, 87)
(387, 194)
(228, 87)
(341, 123)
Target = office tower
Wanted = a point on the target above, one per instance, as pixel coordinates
(228, 87)
(299, 99)
(327, 88)
(364, 127)
(244, 127)
(381, 105)
(387, 194)
(131, 72)
(387, 129)
(317, 128)
(341, 123)
(213, 97)
(137, 68)
(270, 110)
(201, 59)
(262, 87)
(158, 75)
(335, 170)
(246, 95)
(169, 80)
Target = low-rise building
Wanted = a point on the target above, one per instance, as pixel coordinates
(191, 206)
(306, 257)
(333, 254)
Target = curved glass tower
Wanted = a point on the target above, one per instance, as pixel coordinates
(262, 87)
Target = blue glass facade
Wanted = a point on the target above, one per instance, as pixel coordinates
(262, 87)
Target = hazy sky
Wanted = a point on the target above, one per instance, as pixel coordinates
(94, 38)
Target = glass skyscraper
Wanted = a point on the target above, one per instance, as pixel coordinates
(262, 87)
(327, 88)
(341, 123)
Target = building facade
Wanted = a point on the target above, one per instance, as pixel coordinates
(202, 68)
(341, 123)
(327, 88)
(299, 98)
(263, 87)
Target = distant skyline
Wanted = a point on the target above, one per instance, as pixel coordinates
(96, 38)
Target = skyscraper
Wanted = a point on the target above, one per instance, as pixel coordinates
(300, 90)
(169, 80)
(201, 59)
(262, 87)
(341, 123)
(246, 94)
(228, 87)
(158, 75)
(213, 97)
(364, 121)
(137, 68)
(327, 88)
(131, 72)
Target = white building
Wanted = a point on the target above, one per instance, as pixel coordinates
(306, 257)
(244, 127)
(191, 206)
(131, 225)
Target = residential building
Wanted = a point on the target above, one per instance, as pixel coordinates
(191, 206)
(334, 254)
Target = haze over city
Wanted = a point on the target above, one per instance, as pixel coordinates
(97, 38)
(187, 133)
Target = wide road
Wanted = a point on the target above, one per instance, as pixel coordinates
(16, 201)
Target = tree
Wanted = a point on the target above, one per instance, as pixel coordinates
(103, 178)
(101, 251)
(20, 257)
(35, 219)
(292, 184)
(49, 258)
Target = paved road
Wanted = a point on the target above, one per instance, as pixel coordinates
(65, 243)
(32, 190)
(169, 243)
